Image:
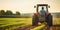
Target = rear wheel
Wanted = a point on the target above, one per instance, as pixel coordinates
(35, 20)
(49, 19)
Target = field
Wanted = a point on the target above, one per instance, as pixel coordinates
(56, 21)
(13, 23)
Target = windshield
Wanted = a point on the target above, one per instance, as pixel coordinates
(40, 8)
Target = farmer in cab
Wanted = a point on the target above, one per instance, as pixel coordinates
(43, 12)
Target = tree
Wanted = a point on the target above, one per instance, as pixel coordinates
(17, 13)
(2, 12)
(8, 12)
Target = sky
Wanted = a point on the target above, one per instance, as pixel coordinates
(27, 6)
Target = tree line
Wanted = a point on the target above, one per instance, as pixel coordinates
(57, 15)
(9, 13)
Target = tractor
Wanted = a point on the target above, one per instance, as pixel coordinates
(38, 18)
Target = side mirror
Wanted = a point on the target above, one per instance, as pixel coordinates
(48, 6)
(34, 6)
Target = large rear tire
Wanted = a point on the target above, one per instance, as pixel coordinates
(49, 20)
(35, 20)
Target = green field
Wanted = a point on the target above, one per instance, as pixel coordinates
(56, 21)
(12, 23)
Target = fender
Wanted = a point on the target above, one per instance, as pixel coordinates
(37, 14)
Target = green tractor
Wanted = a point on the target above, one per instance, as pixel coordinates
(38, 18)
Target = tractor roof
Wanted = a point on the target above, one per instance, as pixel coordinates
(42, 4)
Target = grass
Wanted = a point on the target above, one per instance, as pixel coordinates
(12, 23)
(41, 27)
(56, 21)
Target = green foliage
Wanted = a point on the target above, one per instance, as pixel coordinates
(17, 13)
(2, 12)
(39, 27)
(9, 13)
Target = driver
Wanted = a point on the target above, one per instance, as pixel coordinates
(42, 12)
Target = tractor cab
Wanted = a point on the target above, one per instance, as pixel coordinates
(39, 7)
